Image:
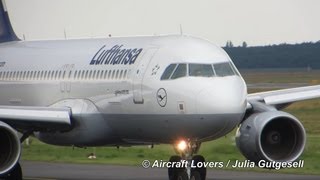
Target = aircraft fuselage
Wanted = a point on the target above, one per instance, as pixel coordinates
(118, 91)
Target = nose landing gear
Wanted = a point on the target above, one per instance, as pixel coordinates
(186, 150)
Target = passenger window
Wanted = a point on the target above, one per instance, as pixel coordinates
(121, 73)
(45, 75)
(167, 73)
(125, 74)
(94, 74)
(201, 70)
(98, 74)
(49, 75)
(82, 74)
(64, 75)
(10, 75)
(223, 69)
(117, 74)
(109, 74)
(87, 73)
(79, 74)
(69, 77)
(59, 75)
(90, 74)
(75, 75)
(31, 75)
(113, 74)
(41, 75)
(53, 75)
(181, 71)
(104, 75)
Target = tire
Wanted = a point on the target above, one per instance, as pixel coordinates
(202, 171)
(174, 172)
(14, 174)
(182, 175)
(195, 175)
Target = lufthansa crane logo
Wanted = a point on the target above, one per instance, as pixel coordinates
(162, 97)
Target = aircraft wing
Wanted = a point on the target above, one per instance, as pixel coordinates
(36, 118)
(284, 97)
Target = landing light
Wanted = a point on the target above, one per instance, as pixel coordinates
(182, 145)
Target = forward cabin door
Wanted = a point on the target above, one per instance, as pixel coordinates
(139, 74)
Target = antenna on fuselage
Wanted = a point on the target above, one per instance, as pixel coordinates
(65, 33)
(181, 32)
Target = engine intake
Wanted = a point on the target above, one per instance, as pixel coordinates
(10, 148)
(271, 136)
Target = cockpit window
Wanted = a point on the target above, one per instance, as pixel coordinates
(175, 71)
(234, 69)
(223, 69)
(201, 70)
(181, 71)
(167, 73)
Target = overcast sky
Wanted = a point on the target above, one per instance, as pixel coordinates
(258, 22)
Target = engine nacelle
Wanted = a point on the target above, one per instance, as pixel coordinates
(271, 136)
(10, 148)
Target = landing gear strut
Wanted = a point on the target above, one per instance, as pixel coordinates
(190, 171)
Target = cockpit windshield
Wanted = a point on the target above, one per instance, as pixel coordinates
(201, 70)
(175, 71)
(181, 71)
(224, 69)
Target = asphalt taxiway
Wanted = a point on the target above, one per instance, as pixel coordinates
(64, 171)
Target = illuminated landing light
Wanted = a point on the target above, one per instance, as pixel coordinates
(182, 145)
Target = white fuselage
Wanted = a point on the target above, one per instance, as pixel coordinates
(115, 90)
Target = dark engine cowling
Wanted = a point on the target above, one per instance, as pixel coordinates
(271, 136)
(10, 148)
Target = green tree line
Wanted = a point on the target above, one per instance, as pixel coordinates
(304, 55)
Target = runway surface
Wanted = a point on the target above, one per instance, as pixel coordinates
(61, 171)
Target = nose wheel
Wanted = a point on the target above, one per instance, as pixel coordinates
(189, 171)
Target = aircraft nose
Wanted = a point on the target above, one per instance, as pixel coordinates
(222, 96)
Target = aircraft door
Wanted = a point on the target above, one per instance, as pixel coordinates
(139, 74)
(65, 84)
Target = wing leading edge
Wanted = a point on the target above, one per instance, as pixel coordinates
(284, 97)
(36, 118)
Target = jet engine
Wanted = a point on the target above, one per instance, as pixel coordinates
(271, 136)
(10, 148)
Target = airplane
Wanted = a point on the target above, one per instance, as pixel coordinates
(127, 91)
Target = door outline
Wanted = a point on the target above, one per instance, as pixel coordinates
(65, 83)
(139, 74)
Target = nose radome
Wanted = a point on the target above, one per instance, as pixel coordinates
(222, 97)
